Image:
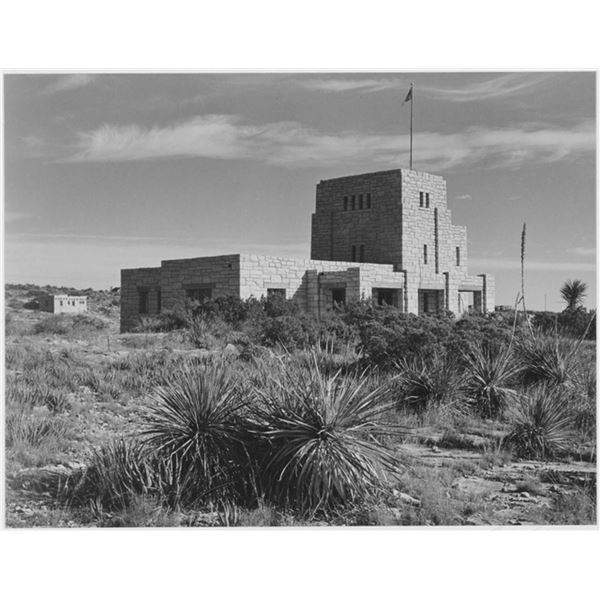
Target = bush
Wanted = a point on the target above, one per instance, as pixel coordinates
(426, 383)
(322, 438)
(198, 424)
(491, 374)
(547, 360)
(541, 424)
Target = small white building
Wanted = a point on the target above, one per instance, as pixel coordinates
(62, 303)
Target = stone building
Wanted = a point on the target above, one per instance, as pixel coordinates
(386, 236)
(61, 303)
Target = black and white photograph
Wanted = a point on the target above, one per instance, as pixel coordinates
(266, 299)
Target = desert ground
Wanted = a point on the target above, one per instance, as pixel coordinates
(249, 414)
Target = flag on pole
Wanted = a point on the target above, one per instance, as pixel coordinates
(408, 96)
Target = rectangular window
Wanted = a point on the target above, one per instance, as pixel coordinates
(61, 302)
(425, 253)
(276, 293)
(345, 202)
(338, 296)
(421, 196)
(143, 302)
(353, 202)
(158, 300)
(199, 294)
(427, 200)
(353, 254)
(360, 201)
(457, 256)
(361, 253)
(368, 200)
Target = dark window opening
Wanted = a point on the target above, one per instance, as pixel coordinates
(385, 297)
(338, 296)
(457, 256)
(158, 300)
(425, 253)
(427, 200)
(199, 294)
(353, 254)
(345, 202)
(360, 201)
(276, 293)
(361, 253)
(421, 195)
(143, 303)
(368, 200)
(353, 202)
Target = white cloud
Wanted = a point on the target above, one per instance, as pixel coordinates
(464, 197)
(292, 145)
(579, 251)
(70, 82)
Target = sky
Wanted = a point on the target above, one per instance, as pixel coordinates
(110, 171)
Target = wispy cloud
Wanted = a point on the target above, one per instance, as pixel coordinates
(464, 197)
(499, 86)
(351, 85)
(70, 82)
(533, 265)
(579, 251)
(292, 145)
(496, 87)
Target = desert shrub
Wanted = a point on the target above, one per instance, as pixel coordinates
(424, 383)
(491, 373)
(573, 323)
(53, 325)
(206, 332)
(198, 423)
(402, 336)
(31, 427)
(116, 476)
(288, 331)
(541, 424)
(547, 359)
(322, 435)
(40, 394)
(163, 322)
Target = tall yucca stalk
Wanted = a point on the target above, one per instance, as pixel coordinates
(541, 424)
(491, 373)
(197, 423)
(323, 437)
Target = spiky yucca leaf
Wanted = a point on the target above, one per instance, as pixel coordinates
(541, 424)
(322, 433)
(491, 371)
(197, 421)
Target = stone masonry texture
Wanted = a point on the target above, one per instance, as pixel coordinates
(378, 235)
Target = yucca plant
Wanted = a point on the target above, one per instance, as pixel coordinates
(548, 360)
(430, 382)
(198, 423)
(323, 437)
(490, 375)
(541, 424)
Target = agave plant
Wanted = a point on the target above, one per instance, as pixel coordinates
(198, 424)
(541, 424)
(491, 371)
(323, 437)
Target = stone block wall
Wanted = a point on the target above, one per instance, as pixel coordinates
(63, 304)
(219, 274)
(375, 222)
(133, 282)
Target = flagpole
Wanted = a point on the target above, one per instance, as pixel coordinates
(412, 96)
